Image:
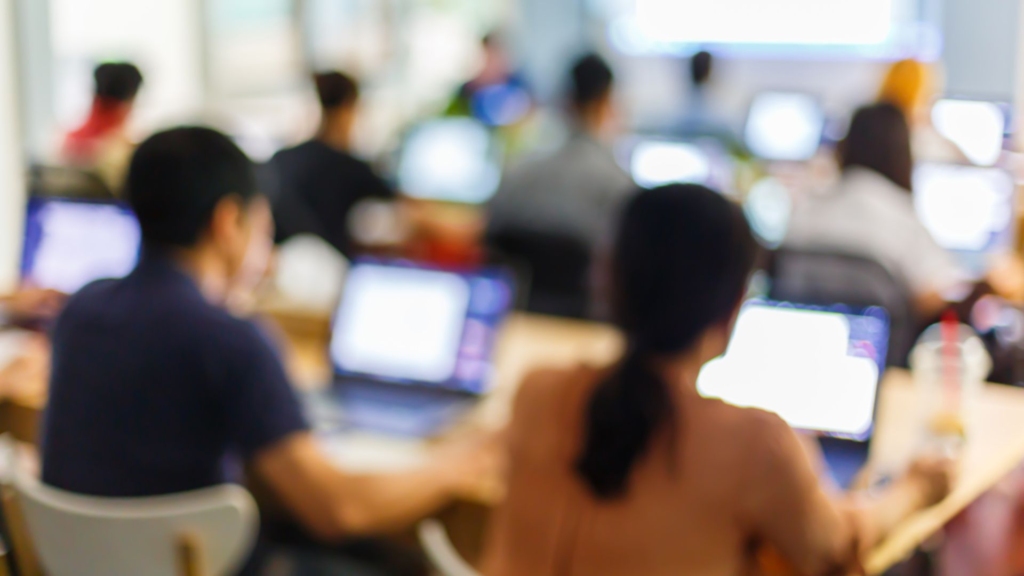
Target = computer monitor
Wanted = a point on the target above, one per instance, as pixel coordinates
(450, 160)
(978, 128)
(70, 243)
(656, 163)
(784, 126)
(408, 324)
(969, 210)
(816, 367)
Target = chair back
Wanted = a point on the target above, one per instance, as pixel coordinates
(440, 550)
(824, 278)
(207, 532)
(552, 269)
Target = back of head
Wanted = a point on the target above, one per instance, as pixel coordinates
(907, 85)
(592, 81)
(879, 139)
(681, 264)
(700, 68)
(336, 90)
(177, 178)
(117, 81)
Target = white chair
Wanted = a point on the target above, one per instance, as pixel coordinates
(440, 550)
(202, 533)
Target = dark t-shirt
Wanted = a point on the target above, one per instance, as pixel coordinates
(156, 391)
(315, 189)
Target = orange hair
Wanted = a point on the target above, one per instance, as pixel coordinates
(907, 85)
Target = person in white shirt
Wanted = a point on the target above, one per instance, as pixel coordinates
(870, 213)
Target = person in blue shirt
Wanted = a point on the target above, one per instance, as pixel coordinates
(156, 388)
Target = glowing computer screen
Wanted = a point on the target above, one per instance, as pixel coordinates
(452, 160)
(816, 367)
(784, 126)
(69, 244)
(966, 208)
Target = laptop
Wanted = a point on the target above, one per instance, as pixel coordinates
(412, 345)
(784, 126)
(454, 160)
(969, 210)
(655, 161)
(70, 242)
(818, 367)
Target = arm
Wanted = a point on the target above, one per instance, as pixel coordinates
(815, 533)
(332, 504)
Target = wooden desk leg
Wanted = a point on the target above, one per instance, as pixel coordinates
(190, 556)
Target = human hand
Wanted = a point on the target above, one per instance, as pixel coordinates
(933, 479)
(27, 376)
(474, 467)
(34, 304)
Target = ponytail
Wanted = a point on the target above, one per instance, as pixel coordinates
(624, 413)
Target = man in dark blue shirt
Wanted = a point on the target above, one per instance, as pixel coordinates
(156, 386)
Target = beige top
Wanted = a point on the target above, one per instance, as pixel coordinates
(736, 480)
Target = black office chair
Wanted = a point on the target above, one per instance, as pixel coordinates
(67, 182)
(824, 278)
(552, 269)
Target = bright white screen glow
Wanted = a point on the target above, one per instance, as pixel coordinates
(795, 363)
(659, 163)
(81, 243)
(784, 126)
(400, 323)
(975, 127)
(450, 160)
(799, 22)
(963, 207)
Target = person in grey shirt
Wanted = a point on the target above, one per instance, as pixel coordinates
(576, 190)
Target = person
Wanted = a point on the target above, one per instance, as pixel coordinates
(101, 143)
(910, 86)
(628, 470)
(699, 119)
(871, 214)
(497, 95)
(320, 182)
(576, 190)
(157, 389)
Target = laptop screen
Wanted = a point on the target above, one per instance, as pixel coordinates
(408, 324)
(966, 208)
(816, 367)
(70, 243)
(451, 160)
(784, 126)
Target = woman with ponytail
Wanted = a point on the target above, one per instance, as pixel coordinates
(628, 471)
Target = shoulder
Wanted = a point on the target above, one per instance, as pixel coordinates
(546, 392)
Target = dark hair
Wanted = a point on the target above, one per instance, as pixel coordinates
(879, 139)
(119, 81)
(176, 179)
(336, 89)
(591, 81)
(681, 264)
(700, 67)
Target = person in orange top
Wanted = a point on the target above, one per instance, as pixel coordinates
(911, 86)
(100, 143)
(627, 470)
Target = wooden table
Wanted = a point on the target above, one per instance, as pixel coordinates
(994, 448)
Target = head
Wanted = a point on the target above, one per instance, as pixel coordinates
(879, 139)
(339, 97)
(909, 86)
(700, 68)
(194, 193)
(117, 82)
(591, 93)
(681, 264)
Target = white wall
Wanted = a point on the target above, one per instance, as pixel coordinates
(12, 186)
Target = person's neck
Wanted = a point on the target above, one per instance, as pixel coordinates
(681, 370)
(205, 269)
(336, 134)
